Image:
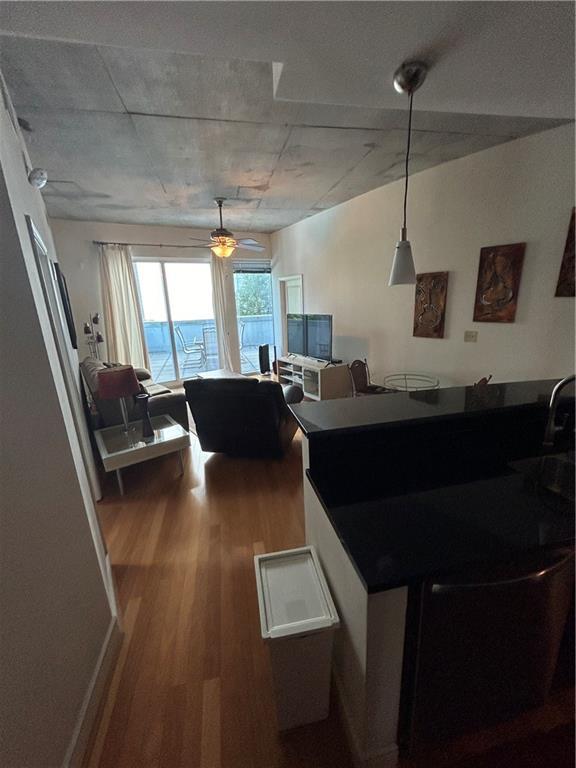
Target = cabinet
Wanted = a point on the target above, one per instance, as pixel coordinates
(319, 380)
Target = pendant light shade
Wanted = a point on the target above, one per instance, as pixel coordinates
(403, 271)
(407, 79)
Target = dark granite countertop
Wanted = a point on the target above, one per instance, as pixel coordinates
(399, 541)
(376, 411)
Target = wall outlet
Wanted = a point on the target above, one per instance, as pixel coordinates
(470, 335)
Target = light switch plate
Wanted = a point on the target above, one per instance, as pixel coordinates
(470, 335)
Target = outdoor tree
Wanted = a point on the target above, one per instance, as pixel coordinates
(253, 293)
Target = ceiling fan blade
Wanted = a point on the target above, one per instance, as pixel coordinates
(198, 239)
(205, 245)
(249, 241)
(246, 247)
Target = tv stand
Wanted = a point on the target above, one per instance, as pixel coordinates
(319, 379)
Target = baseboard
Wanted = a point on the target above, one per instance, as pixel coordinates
(90, 705)
(111, 591)
(384, 759)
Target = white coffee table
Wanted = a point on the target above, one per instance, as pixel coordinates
(119, 449)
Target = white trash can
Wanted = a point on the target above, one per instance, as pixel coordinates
(297, 619)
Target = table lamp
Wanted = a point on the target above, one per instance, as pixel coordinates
(116, 384)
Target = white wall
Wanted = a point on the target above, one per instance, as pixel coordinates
(78, 257)
(53, 601)
(522, 191)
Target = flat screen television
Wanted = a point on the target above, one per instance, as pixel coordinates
(296, 326)
(319, 336)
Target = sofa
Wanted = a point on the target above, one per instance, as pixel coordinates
(163, 400)
(243, 416)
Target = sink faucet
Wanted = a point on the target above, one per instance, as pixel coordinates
(550, 432)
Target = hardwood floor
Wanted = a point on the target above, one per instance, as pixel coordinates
(192, 685)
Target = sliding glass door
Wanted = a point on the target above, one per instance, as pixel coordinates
(178, 317)
(253, 289)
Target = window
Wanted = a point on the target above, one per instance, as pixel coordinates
(253, 290)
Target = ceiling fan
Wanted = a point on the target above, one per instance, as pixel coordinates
(222, 242)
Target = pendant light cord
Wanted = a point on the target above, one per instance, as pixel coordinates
(407, 157)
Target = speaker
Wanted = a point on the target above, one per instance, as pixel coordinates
(264, 358)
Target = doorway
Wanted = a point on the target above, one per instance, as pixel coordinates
(291, 302)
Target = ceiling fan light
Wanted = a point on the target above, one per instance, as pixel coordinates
(222, 251)
(403, 271)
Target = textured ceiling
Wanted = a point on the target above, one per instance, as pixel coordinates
(143, 135)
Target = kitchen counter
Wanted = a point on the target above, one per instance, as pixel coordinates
(392, 408)
(397, 443)
(400, 540)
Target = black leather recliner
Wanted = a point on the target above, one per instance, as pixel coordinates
(242, 416)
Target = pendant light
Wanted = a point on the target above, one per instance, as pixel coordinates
(407, 79)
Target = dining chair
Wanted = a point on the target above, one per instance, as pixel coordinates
(360, 376)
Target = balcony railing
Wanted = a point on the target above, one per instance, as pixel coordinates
(197, 348)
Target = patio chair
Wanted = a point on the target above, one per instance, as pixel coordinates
(210, 340)
(194, 353)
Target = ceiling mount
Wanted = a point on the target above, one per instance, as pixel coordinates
(409, 76)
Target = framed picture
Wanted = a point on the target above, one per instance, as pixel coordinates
(66, 306)
(499, 275)
(565, 285)
(430, 304)
(54, 289)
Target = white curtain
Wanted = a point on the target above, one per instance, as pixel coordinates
(122, 312)
(224, 301)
